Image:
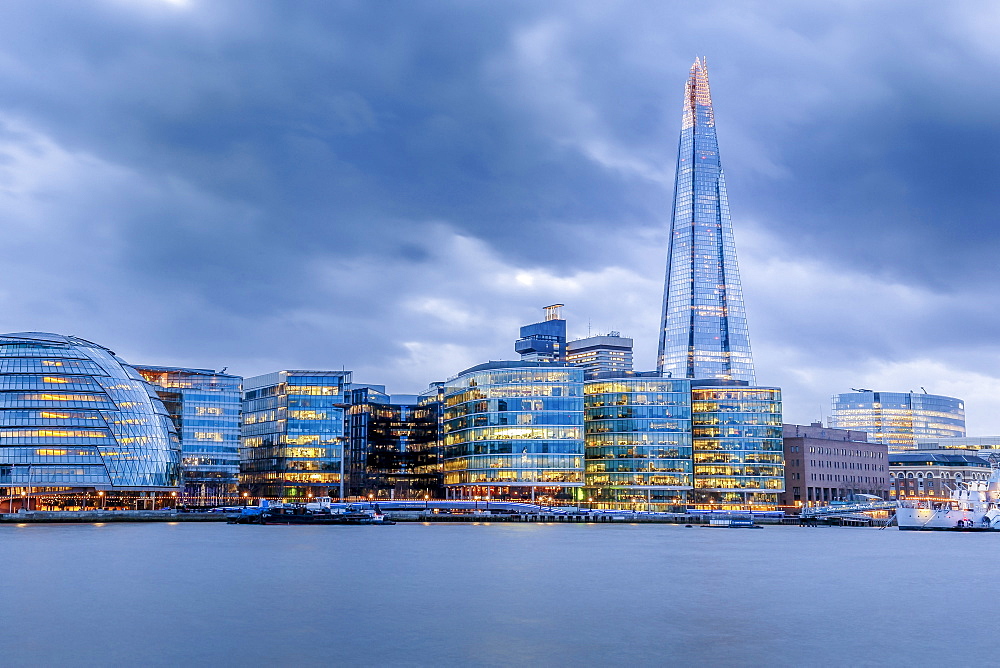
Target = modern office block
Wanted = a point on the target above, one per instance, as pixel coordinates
(703, 331)
(544, 341)
(738, 460)
(514, 430)
(899, 419)
(205, 408)
(608, 353)
(393, 445)
(823, 465)
(77, 422)
(638, 442)
(293, 434)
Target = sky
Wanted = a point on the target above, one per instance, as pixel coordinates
(395, 187)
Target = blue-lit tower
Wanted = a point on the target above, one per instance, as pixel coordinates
(704, 328)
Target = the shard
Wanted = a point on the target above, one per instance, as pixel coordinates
(704, 328)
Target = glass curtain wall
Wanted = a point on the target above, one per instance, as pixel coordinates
(638, 443)
(899, 419)
(738, 449)
(293, 435)
(704, 326)
(205, 408)
(79, 426)
(514, 430)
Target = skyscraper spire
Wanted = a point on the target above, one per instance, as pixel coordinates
(703, 333)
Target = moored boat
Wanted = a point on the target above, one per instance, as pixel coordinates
(971, 507)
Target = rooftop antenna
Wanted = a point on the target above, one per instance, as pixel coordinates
(588, 327)
(224, 369)
(924, 389)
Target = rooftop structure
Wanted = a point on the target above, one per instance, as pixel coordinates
(601, 354)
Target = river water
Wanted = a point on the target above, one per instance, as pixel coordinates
(494, 595)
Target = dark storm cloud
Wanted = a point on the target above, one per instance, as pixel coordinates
(394, 186)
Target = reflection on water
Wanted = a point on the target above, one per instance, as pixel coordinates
(500, 594)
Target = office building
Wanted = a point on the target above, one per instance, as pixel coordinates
(514, 430)
(738, 454)
(393, 445)
(205, 408)
(79, 426)
(293, 434)
(544, 341)
(638, 442)
(920, 473)
(607, 353)
(899, 419)
(824, 465)
(703, 331)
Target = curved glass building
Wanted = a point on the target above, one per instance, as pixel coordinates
(898, 419)
(638, 442)
(75, 419)
(514, 430)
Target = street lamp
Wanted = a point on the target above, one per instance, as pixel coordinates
(246, 502)
(426, 500)
(101, 495)
(174, 495)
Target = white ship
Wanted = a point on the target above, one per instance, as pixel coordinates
(972, 507)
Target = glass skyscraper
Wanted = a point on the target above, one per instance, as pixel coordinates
(704, 328)
(205, 408)
(898, 419)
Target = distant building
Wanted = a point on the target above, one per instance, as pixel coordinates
(824, 464)
(608, 353)
(393, 447)
(899, 419)
(293, 434)
(205, 408)
(926, 473)
(638, 442)
(514, 430)
(544, 341)
(703, 332)
(738, 454)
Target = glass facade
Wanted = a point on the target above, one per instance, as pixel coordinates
(205, 408)
(393, 451)
(293, 435)
(74, 418)
(638, 442)
(514, 430)
(899, 419)
(738, 451)
(703, 332)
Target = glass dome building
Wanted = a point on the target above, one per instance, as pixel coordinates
(75, 419)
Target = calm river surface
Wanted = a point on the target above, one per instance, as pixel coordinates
(494, 595)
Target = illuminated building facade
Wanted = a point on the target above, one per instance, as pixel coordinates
(737, 439)
(823, 464)
(544, 341)
(77, 422)
(393, 445)
(922, 473)
(610, 353)
(293, 434)
(514, 430)
(703, 331)
(638, 442)
(205, 408)
(899, 419)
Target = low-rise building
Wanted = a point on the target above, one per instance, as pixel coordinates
(920, 473)
(823, 464)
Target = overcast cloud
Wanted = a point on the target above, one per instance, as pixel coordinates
(395, 187)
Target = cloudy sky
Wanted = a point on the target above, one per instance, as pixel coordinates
(394, 187)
